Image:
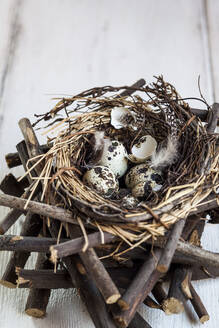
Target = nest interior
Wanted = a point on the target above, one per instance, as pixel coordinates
(159, 112)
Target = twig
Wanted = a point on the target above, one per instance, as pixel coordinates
(213, 117)
(10, 186)
(43, 279)
(128, 92)
(76, 245)
(33, 149)
(31, 227)
(37, 207)
(136, 288)
(14, 160)
(88, 291)
(198, 306)
(123, 318)
(38, 299)
(138, 322)
(204, 257)
(170, 247)
(159, 293)
(14, 214)
(175, 299)
(101, 277)
(198, 254)
(179, 290)
(27, 244)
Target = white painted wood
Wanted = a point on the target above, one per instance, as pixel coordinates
(62, 47)
(212, 10)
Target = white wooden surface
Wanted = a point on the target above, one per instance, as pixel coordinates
(50, 47)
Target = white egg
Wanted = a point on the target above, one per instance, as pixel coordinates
(143, 149)
(101, 179)
(114, 156)
(142, 180)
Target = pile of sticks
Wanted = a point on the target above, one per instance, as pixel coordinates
(112, 291)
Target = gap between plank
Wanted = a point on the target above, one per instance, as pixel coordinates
(207, 49)
(14, 33)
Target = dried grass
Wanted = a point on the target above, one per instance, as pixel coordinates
(192, 177)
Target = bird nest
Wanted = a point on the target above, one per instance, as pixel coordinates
(189, 177)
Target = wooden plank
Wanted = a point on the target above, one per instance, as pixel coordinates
(66, 46)
(212, 12)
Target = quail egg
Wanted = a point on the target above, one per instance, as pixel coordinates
(114, 156)
(143, 149)
(129, 201)
(142, 180)
(101, 179)
(123, 118)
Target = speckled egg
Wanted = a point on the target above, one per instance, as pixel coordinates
(129, 201)
(115, 157)
(142, 180)
(102, 180)
(141, 173)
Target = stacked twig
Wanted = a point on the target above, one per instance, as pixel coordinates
(112, 285)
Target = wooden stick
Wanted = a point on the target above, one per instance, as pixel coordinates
(138, 322)
(53, 211)
(198, 306)
(88, 291)
(43, 279)
(191, 222)
(210, 202)
(100, 276)
(214, 215)
(90, 259)
(204, 272)
(14, 214)
(207, 204)
(202, 114)
(159, 293)
(38, 299)
(76, 245)
(98, 273)
(24, 157)
(199, 255)
(213, 117)
(33, 146)
(175, 299)
(128, 92)
(151, 303)
(10, 186)
(170, 247)
(26, 244)
(179, 290)
(31, 227)
(13, 159)
(121, 276)
(123, 318)
(9, 220)
(37, 207)
(137, 285)
(204, 257)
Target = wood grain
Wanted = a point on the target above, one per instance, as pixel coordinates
(69, 46)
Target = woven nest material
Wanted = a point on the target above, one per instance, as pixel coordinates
(160, 112)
